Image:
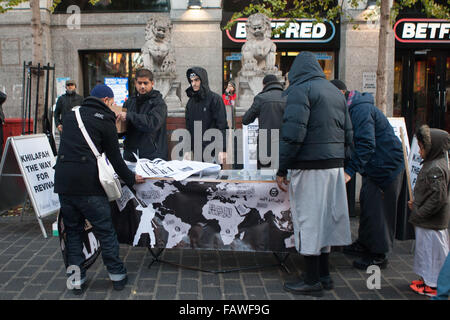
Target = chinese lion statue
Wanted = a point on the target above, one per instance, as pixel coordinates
(157, 51)
(258, 53)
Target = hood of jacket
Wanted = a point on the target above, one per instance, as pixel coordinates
(435, 141)
(274, 85)
(355, 97)
(204, 88)
(305, 67)
(96, 103)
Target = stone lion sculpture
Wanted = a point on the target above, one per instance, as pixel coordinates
(258, 52)
(157, 51)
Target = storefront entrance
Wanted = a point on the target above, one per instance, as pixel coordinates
(425, 88)
(422, 72)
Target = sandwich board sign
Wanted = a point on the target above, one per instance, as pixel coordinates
(34, 163)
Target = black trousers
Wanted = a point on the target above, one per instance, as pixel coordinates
(378, 214)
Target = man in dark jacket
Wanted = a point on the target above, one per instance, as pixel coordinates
(268, 106)
(2, 119)
(378, 157)
(204, 108)
(146, 117)
(315, 131)
(80, 193)
(66, 102)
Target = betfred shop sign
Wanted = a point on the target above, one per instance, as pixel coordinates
(300, 31)
(416, 31)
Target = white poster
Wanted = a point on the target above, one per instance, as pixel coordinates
(396, 124)
(120, 88)
(250, 136)
(36, 160)
(370, 82)
(61, 86)
(414, 162)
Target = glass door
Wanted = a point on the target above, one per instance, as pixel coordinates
(431, 85)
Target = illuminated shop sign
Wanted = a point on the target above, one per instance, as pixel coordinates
(302, 30)
(422, 31)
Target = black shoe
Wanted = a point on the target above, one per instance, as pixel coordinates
(301, 287)
(326, 281)
(119, 285)
(79, 291)
(371, 260)
(355, 249)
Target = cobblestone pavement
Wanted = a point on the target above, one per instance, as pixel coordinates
(31, 267)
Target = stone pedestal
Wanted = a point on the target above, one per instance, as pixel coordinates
(249, 84)
(170, 90)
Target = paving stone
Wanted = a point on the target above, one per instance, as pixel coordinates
(143, 297)
(43, 278)
(210, 280)
(279, 296)
(50, 296)
(145, 286)
(5, 276)
(232, 287)
(30, 292)
(256, 293)
(188, 296)
(251, 280)
(166, 292)
(212, 293)
(369, 296)
(13, 265)
(7, 295)
(58, 284)
(190, 274)
(89, 295)
(345, 294)
(16, 284)
(168, 278)
(124, 294)
(189, 286)
(273, 286)
(235, 297)
(388, 292)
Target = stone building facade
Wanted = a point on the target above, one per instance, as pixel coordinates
(196, 37)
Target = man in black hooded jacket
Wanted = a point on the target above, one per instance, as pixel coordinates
(206, 107)
(146, 117)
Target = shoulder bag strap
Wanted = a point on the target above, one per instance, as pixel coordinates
(85, 134)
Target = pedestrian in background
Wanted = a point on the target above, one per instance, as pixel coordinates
(430, 209)
(77, 184)
(315, 131)
(378, 157)
(66, 102)
(229, 100)
(268, 106)
(204, 107)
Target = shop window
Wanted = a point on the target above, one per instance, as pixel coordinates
(116, 6)
(398, 76)
(108, 67)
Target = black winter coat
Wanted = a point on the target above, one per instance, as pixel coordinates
(76, 171)
(205, 106)
(146, 133)
(268, 106)
(65, 104)
(431, 207)
(316, 125)
(377, 153)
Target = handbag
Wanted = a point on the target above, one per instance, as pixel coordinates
(106, 174)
